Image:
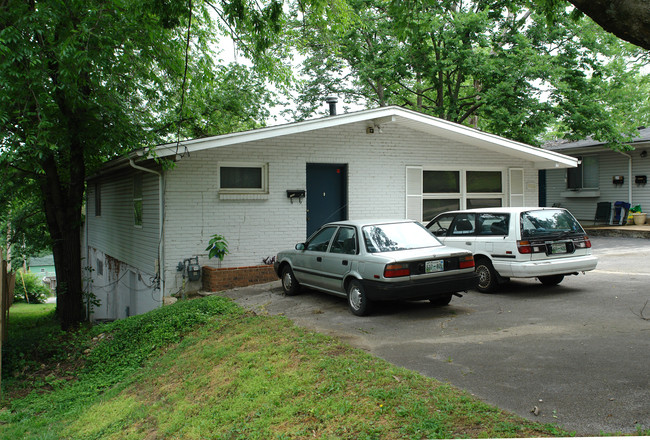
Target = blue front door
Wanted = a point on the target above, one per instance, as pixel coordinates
(326, 194)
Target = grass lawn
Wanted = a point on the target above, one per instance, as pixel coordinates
(206, 368)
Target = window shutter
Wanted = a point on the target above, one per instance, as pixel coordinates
(517, 187)
(414, 193)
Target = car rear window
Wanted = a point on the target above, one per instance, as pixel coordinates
(397, 237)
(549, 223)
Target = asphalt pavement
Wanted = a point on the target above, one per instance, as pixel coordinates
(577, 354)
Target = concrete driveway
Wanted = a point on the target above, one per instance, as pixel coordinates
(578, 353)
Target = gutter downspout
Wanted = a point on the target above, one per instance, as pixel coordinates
(161, 246)
(629, 174)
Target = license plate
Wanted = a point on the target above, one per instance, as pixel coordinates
(434, 266)
(558, 248)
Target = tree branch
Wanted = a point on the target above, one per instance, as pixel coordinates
(469, 112)
(25, 172)
(415, 92)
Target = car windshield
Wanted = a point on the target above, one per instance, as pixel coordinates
(549, 223)
(397, 237)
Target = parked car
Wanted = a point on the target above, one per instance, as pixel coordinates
(543, 243)
(369, 261)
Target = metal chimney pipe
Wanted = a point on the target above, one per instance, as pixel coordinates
(332, 100)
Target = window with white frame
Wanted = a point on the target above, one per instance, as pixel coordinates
(484, 189)
(98, 200)
(137, 200)
(441, 191)
(243, 178)
(585, 175)
(446, 190)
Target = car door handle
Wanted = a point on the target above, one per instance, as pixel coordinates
(344, 262)
(319, 259)
(468, 243)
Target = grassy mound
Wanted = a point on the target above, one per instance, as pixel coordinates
(207, 369)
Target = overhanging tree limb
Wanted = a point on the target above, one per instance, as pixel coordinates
(627, 19)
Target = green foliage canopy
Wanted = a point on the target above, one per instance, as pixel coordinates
(86, 80)
(495, 65)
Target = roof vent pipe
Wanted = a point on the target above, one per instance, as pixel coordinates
(332, 100)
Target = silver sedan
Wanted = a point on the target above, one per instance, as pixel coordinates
(369, 261)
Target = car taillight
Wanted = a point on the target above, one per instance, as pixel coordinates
(585, 243)
(397, 270)
(526, 247)
(466, 261)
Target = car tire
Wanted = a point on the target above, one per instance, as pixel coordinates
(358, 302)
(551, 280)
(441, 301)
(487, 276)
(290, 285)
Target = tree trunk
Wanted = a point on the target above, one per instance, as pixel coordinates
(63, 213)
(69, 293)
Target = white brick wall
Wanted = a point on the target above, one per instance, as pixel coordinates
(256, 229)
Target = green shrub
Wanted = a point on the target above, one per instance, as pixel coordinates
(129, 342)
(92, 359)
(37, 292)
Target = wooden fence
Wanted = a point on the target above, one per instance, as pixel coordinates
(7, 282)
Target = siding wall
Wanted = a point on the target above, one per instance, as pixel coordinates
(126, 253)
(113, 231)
(610, 164)
(256, 229)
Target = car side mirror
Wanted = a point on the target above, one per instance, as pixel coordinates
(300, 247)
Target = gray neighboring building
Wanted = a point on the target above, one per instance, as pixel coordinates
(603, 175)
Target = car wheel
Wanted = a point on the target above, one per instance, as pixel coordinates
(487, 276)
(551, 280)
(440, 301)
(289, 283)
(357, 300)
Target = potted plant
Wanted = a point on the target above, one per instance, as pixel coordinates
(638, 216)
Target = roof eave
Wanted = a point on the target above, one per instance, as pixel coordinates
(542, 159)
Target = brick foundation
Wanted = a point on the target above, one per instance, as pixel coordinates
(215, 280)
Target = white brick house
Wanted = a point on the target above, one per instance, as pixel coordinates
(387, 162)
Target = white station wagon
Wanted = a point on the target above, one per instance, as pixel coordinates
(543, 243)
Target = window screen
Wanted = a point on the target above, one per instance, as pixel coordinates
(585, 175)
(483, 203)
(590, 172)
(441, 182)
(433, 207)
(240, 177)
(484, 182)
(98, 200)
(137, 200)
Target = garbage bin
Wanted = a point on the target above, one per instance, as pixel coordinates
(620, 212)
